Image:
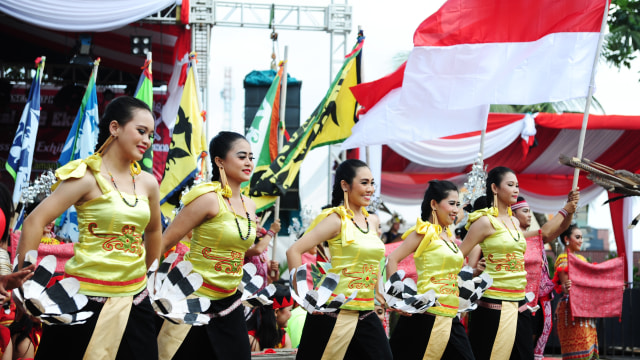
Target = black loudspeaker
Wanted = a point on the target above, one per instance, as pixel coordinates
(256, 85)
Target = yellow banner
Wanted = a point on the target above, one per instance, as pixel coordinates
(187, 144)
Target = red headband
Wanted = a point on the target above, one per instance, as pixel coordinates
(286, 301)
(519, 205)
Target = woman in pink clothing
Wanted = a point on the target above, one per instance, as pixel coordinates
(536, 266)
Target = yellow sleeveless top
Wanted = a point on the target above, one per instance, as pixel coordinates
(561, 261)
(109, 258)
(356, 258)
(217, 251)
(505, 258)
(437, 266)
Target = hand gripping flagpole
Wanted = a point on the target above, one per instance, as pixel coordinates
(283, 103)
(585, 117)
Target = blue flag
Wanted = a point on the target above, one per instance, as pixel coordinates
(82, 138)
(21, 154)
(80, 143)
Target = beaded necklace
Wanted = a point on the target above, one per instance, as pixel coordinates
(235, 217)
(113, 181)
(514, 226)
(356, 224)
(454, 249)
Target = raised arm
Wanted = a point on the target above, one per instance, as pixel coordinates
(549, 233)
(261, 245)
(560, 222)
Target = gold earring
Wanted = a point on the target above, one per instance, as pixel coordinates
(346, 199)
(223, 177)
(226, 189)
(346, 204)
(135, 169)
(495, 201)
(105, 145)
(434, 215)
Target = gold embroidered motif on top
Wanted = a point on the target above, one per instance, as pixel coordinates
(128, 240)
(230, 265)
(365, 279)
(448, 285)
(509, 263)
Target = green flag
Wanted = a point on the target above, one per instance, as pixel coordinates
(263, 137)
(330, 123)
(144, 92)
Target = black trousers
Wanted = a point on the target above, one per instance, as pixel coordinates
(483, 326)
(71, 341)
(412, 333)
(369, 340)
(223, 338)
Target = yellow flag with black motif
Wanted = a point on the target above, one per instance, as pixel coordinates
(187, 145)
(330, 123)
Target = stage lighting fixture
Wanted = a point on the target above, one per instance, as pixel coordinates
(140, 45)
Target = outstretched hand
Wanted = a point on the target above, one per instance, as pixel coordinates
(16, 279)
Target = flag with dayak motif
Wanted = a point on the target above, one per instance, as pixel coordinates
(186, 148)
(330, 123)
(263, 137)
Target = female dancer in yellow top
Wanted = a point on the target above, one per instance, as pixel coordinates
(438, 262)
(116, 204)
(223, 230)
(356, 251)
(495, 328)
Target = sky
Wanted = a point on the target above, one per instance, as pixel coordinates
(388, 28)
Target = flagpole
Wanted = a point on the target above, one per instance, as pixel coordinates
(193, 61)
(482, 136)
(283, 106)
(585, 116)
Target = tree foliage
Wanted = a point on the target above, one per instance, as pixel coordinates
(623, 39)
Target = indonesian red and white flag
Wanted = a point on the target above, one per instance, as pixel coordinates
(472, 53)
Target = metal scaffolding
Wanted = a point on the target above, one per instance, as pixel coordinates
(205, 14)
(334, 19)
